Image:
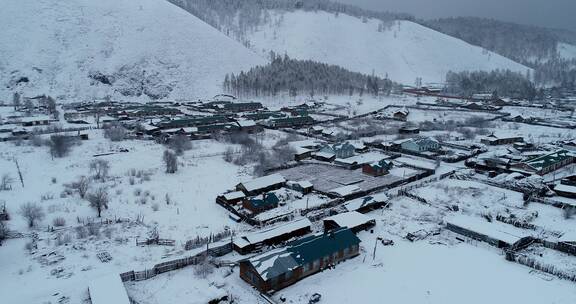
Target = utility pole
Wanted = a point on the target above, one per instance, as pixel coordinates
(19, 172)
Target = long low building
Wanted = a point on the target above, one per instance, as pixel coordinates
(354, 220)
(262, 184)
(279, 268)
(494, 233)
(272, 236)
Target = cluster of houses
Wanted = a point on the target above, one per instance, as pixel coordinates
(198, 120)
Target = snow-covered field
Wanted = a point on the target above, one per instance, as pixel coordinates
(58, 44)
(404, 51)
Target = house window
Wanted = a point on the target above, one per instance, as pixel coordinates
(347, 251)
(316, 264)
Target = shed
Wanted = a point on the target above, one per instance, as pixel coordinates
(354, 220)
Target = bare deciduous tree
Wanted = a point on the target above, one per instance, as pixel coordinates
(81, 185)
(180, 143)
(60, 145)
(3, 231)
(99, 200)
(170, 161)
(115, 132)
(99, 168)
(32, 212)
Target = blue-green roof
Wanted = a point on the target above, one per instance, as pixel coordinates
(301, 252)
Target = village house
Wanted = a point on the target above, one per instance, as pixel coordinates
(304, 186)
(547, 163)
(35, 121)
(272, 236)
(401, 115)
(290, 122)
(241, 106)
(377, 169)
(248, 126)
(279, 268)
(421, 144)
(341, 150)
(266, 201)
(262, 184)
(495, 140)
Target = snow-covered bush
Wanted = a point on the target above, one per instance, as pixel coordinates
(59, 222)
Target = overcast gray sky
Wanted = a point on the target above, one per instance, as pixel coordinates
(548, 13)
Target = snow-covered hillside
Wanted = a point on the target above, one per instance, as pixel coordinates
(72, 48)
(403, 50)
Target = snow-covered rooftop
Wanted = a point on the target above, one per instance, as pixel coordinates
(350, 219)
(263, 182)
(108, 289)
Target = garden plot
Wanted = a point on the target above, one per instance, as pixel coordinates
(535, 112)
(409, 273)
(546, 256)
(418, 116)
(470, 196)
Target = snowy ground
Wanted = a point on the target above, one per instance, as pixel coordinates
(427, 271)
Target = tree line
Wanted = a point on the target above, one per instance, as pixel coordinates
(304, 77)
(500, 83)
(237, 18)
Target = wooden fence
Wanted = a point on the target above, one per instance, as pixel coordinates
(196, 259)
(550, 269)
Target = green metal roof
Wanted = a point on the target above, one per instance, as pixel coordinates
(301, 252)
(547, 160)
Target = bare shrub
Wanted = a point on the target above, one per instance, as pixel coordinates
(63, 238)
(54, 180)
(6, 182)
(180, 143)
(203, 269)
(115, 132)
(59, 222)
(32, 212)
(81, 232)
(82, 185)
(98, 200)
(99, 169)
(93, 230)
(137, 192)
(60, 145)
(569, 212)
(3, 231)
(155, 207)
(229, 155)
(170, 161)
(36, 141)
